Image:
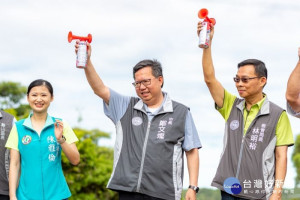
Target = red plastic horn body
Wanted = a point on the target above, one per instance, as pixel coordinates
(81, 38)
(202, 14)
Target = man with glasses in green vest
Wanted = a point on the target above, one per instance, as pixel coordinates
(257, 133)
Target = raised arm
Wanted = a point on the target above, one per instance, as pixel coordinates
(70, 150)
(214, 86)
(293, 87)
(94, 79)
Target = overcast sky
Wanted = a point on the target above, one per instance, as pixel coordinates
(34, 45)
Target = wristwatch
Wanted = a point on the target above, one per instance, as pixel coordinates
(195, 188)
(62, 139)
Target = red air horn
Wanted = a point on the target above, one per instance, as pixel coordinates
(202, 14)
(81, 38)
(81, 59)
(204, 33)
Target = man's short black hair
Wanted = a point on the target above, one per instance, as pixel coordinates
(154, 64)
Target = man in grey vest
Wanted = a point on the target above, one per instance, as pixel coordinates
(257, 133)
(293, 90)
(6, 123)
(152, 133)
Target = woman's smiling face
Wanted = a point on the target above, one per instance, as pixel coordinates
(39, 99)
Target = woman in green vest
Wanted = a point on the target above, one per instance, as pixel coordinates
(36, 144)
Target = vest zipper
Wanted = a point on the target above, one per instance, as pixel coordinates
(177, 178)
(41, 159)
(240, 158)
(43, 191)
(242, 146)
(143, 158)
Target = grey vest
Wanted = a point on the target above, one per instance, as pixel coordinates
(250, 158)
(6, 121)
(148, 156)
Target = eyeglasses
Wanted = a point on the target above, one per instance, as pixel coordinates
(145, 82)
(244, 79)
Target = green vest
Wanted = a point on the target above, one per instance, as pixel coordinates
(42, 177)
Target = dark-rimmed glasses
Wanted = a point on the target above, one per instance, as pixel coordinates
(244, 79)
(145, 82)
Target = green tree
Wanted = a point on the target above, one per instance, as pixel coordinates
(296, 159)
(11, 96)
(88, 180)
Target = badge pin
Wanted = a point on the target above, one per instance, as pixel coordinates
(26, 139)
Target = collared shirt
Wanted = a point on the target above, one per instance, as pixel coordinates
(291, 111)
(118, 106)
(249, 115)
(283, 129)
(12, 141)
